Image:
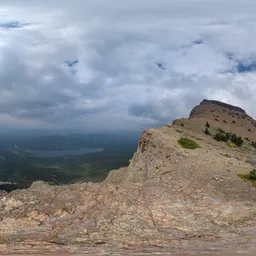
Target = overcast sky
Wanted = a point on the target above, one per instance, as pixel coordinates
(122, 65)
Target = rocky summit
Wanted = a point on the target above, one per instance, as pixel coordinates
(190, 187)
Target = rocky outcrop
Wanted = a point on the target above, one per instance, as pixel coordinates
(213, 104)
(169, 198)
(224, 116)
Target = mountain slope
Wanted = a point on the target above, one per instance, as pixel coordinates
(169, 197)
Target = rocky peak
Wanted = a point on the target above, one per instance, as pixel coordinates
(224, 116)
(213, 105)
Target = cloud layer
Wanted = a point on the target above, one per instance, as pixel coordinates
(120, 65)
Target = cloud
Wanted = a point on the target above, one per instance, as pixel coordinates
(72, 66)
(71, 63)
(115, 65)
(13, 24)
(161, 65)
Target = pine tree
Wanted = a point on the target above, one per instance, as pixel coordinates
(207, 131)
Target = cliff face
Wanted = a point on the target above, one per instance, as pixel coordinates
(169, 197)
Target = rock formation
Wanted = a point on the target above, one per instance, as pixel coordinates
(169, 198)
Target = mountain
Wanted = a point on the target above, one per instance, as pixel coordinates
(189, 187)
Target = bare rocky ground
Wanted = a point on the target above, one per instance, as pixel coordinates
(168, 200)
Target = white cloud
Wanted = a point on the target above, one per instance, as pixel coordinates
(139, 63)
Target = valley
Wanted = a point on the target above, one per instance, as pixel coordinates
(64, 159)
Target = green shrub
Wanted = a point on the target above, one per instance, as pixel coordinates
(252, 175)
(236, 140)
(217, 136)
(222, 136)
(228, 156)
(220, 130)
(228, 135)
(188, 143)
(206, 131)
(51, 183)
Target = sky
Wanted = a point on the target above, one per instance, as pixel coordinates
(111, 65)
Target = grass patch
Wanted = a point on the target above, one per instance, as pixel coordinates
(188, 143)
(157, 166)
(251, 177)
(250, 163)
(51, 183)
(231, 145)
(55, 236)
(228, 156)
(244, 177)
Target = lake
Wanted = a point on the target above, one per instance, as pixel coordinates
(60, 153)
